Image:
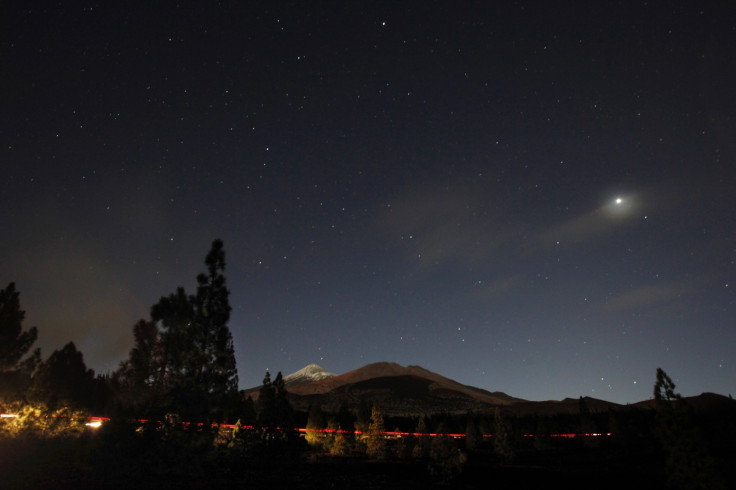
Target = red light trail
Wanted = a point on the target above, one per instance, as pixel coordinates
(96, 422)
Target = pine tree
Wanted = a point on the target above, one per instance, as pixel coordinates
(212, 312)
(339, 444)
(315, 435)
(376, 440)
(184, 358)
(266, 404)
(180, 357)
(446, 460)
(664, 389)
(140, 380)
(284, 412)
(473, 436)
(688, 464)
(588, 426)
(503, 445)
(15, 372)
(423, 443)
(363, 417)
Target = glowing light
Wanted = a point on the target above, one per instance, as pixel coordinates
(8, 415)
(621, 206)
(94, 424)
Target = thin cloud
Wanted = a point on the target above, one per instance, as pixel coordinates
(500, 286)
(439, 224)
(646, 296)
(617, 211)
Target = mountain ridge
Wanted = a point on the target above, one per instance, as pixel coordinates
(400, 389)
(415, 391)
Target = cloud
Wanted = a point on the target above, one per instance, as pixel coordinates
(437, 224)
(500, 286)
(646, 296)
(602, 221)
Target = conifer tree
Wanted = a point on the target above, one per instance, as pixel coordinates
(15, 372)
(376, 440)
(473, 436)
(266, 403)
(423, 443)
(503, 444)
(315, 425)
(688, 464)
(212, 313)
(588, 426)
(363, 417)
(284, 413)
(339, 444)
(184, 357)
(446, 460)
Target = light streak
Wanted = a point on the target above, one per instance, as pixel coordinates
(96, 422)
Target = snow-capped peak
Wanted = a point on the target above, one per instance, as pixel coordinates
(312, 372)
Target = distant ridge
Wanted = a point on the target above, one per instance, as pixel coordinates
(415, 391)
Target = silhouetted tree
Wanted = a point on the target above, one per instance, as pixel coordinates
(345, 419)
(174, 354)
(64, 380)
(266, 407)
(284, 412)
(376, 440)
(275, 415)
(15, 372)
(423, 443)
(248, 415)
(688, 464)
(473, 436)
(315, 425)
(446, 460)
(587, 425)
(141, 379)
(217, 371)
(184, 359)
(363, 417)
(338, 443)
(503, 443)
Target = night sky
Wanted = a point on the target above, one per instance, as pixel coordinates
(522, 197)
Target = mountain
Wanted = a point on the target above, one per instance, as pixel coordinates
(413, 391)
(307, 374)
(400, 390)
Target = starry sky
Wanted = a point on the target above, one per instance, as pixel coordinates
(524, 197)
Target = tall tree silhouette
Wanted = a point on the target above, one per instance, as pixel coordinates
(267, 404)
(140, 380)
(15, 372)
(217, 371)
(688, 464)
(185, 355)
(284, 410)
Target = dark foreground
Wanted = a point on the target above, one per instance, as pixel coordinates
(60, 465)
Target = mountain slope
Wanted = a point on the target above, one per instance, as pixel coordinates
(400, 390)
(389, 369)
